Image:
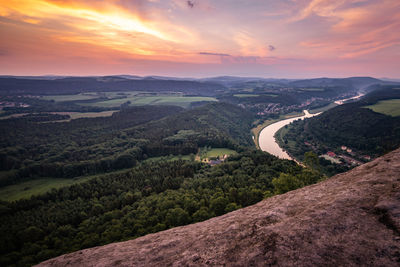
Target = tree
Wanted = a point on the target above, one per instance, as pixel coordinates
(286, 182)
(311, 160)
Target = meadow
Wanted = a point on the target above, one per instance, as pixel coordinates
(245, 95)
(64, 98)
(389, 107)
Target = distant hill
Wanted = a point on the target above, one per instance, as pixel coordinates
(356, 83)
(351, 219)
(74, 85)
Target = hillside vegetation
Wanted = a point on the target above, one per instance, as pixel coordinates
(351, 125)
(96, 145)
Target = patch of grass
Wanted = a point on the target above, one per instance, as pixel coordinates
(313, 89)
(219, 152)
(39, 186)
(78, 115)
(245, 95)
(35, 187)
(63, 98)
(389, 107)
(182, 101)
(270, 95)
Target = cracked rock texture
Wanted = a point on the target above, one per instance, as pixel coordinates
(351, 219)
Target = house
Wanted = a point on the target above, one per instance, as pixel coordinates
(367, 157)
(214, 162)
(331, 154)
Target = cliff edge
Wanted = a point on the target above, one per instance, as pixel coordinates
(351, 219)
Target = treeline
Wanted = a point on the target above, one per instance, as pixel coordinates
(37, 105)
(151, 197)
(96, 145)
(76, 85)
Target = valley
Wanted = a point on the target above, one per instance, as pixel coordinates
(83, 169)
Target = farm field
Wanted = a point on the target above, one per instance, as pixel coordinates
(39, 186)
(216, 152)
(389, 107)
(73, 115)
(79, 115)
(181, 101)
(35, 187)
(313, 89)
(63, 98)
(245, 95)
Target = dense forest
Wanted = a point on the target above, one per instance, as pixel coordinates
(96, 145)
(351, 125)
(151, 197)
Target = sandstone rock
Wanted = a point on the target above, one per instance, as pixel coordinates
(351, 219)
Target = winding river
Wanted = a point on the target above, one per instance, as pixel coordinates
(267, 141)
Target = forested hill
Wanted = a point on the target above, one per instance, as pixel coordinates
(148, 198)
(74, 85)
(29, 149)
(354, 125)
(348, 220)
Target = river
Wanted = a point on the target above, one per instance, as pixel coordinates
(267, 141)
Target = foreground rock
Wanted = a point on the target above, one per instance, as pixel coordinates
(352, 219)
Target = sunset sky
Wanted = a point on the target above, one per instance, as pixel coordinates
(199, 38)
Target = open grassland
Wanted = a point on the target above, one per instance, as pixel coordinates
(245, 95)
(181, 101)
(39, 186)
(35, 187)
(389, 107)
(79, 115)
(73, 115)
(63, 98)
(219, 152)
(313, 89)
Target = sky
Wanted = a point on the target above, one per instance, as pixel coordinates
(201, 38)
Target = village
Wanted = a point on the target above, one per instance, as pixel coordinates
(346, 156)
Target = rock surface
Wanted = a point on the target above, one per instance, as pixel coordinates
(351, 219)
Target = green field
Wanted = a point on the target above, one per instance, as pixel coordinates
(35, 187)
(389, 107)
(313, 89)
(41, 186)
(79, 115)
(245, 95)
(73, 115)
(181, 101)
(218, 152)
(63, 98)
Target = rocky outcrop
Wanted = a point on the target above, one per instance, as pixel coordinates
(351, 219)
